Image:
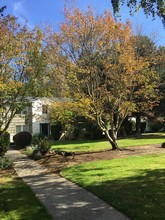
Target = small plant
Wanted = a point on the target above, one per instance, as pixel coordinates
(5, 163)
(44, 146)
(4, 143)
(36, 138)
(22, 139)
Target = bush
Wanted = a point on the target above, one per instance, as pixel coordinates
(96, 133)
(155, 126)
(36, 138)
(4, 143)
(128, 127)
(5, 163)
(22, 139)
(44, 146)
(142, 127)
(163, 145)
(56, 131)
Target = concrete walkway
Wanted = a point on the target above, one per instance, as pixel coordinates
(64, 200)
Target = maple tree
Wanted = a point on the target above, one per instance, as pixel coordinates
(101, 69)
(23, 62)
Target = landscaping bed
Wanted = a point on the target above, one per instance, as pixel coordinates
(55, 163)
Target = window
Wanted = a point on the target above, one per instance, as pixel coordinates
(44, 109)
(18, 128)
(45, 129)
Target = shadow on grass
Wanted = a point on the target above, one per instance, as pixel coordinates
(17, 201)
(139, 197)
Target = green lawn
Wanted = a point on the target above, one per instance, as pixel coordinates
(145, 139)
(17, 201)
(134, 185)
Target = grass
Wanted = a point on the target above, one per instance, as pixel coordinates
(145, 139)
(17, 201)
(134, 185)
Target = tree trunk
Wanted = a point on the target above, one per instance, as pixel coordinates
(138, 130)
(112, 141)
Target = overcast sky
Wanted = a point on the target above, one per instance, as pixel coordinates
(38, 12)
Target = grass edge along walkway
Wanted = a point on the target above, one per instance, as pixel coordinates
(62, 198)
(133, 185)
(17, 200)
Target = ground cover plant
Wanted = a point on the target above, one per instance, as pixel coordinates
(145, 139)
(17, 201)
(134, 185)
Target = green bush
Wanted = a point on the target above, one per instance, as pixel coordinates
(156, 126)
(5, 163)
(96, 133)
(4, 143)
(22, 139)
(36, 138)
(44, 146)
(56, 131)
(142, 127)
(90, 130)
(128, 127)
(163, 145)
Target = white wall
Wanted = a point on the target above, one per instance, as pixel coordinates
(37, 116)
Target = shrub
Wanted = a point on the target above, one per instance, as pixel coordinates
(56, 131)
(142, 127)
(36, 138)
(155, 126)
(5, 163)
(96, 133)
(44, 146)
(163, 145)
(4, 143)
(128, 127)
(22, 139)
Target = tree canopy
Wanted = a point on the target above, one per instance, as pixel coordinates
(23, 67)
(101, 68)
(153, 8)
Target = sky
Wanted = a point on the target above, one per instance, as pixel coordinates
(39, 12)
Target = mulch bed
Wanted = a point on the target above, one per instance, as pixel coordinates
(55, 162)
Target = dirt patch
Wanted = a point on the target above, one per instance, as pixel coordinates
(55, 163)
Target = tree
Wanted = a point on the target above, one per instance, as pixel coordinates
(145, 49)
(2, 11)
(101, 69)
(23, 67)
(154, 7)
(160, 68)
(66, 113)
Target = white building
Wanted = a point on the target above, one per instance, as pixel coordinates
(34, 119)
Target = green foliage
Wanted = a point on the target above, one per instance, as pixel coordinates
(36, 138)
(5, 163)
(133, 185)
(153, 8)
(4, 143)
(128, 127)
(56, 131)
(156, 126)
(44, 146)
(22, 139)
